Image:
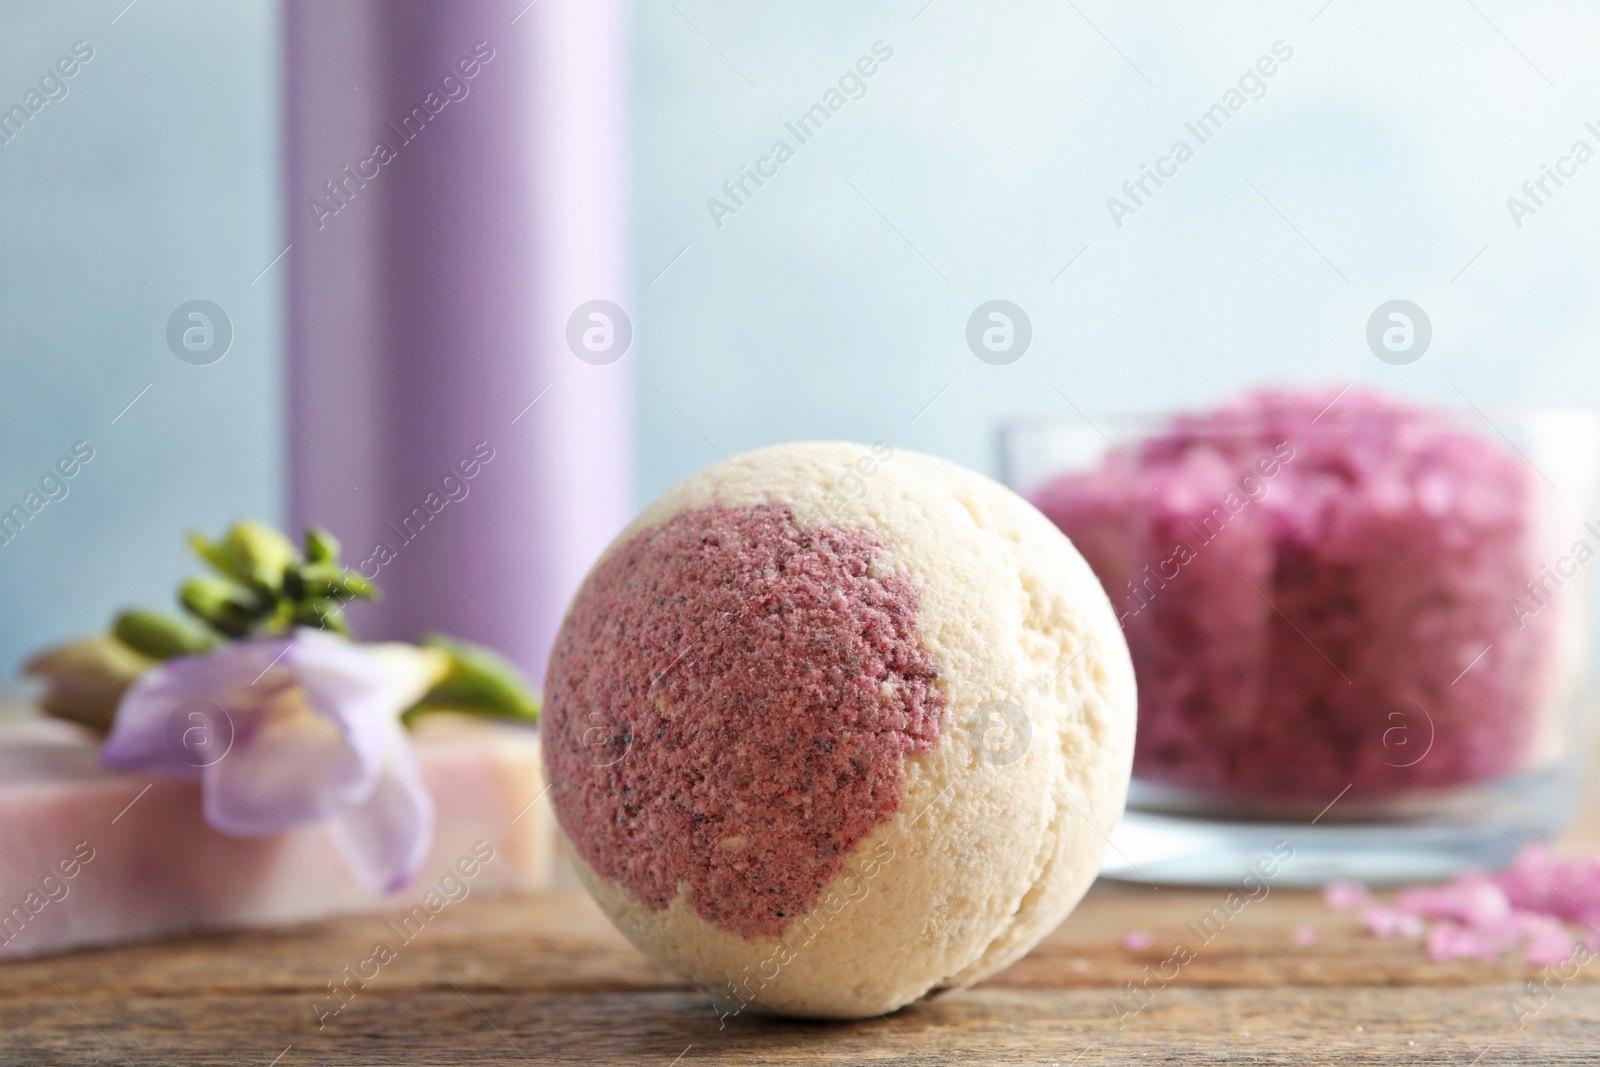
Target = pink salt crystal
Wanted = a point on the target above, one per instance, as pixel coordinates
(1471, 899)
(1136, 941)
(1344, 895)
(1484, 915)
(1567, 889)
(1531, 884)
(1452, 941)
(1381, 541)
(1549, 943)
(1387, 922)
(1449, 941)
(1306, 936)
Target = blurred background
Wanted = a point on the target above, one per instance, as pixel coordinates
(977, 161)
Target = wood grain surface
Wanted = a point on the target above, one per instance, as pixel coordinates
(547, 980)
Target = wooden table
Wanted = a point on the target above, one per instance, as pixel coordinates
(547, 980)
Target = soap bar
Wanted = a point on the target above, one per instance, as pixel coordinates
(89, 857)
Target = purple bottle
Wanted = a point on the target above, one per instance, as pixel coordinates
(459, 384)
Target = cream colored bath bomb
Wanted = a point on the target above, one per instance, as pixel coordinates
(830, 727)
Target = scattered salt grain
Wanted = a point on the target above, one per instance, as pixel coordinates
(1136, 941)
(1306, 936)
(1569, 890)
(1342, 895)
(1388, 922)
(1479, 916)
(1449, 940)
(1549, 943)
(1471, 899)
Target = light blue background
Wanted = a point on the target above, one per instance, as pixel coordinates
(986, 147)
(167, 145)
(992, 140)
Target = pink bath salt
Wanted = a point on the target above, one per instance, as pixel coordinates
(1566, 889)
(1306, 936)
(1549, 942)
(1136, 941)
(1315, 591)
(1384, 921)
(1453, 941)
(1472, 899)
(1345, 895)
(1533, 882)
(729, 706)
(1482, 916)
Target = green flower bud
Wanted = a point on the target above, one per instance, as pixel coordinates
(321, 546)
(221, 605)
(270, 589)
(160, 636)
(321, 613)
(259, 554)
(355, 586)
(275, 617)
(211, 553)
(329, 580)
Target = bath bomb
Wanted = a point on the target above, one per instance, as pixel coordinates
(831, 727)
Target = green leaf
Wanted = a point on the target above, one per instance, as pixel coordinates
(160, 636)
(479, 682)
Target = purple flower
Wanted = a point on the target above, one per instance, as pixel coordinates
(290, 730)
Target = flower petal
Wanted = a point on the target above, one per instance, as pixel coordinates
(313, 728)
(386, 837)
(138, 739)
(288, 766)
(361, 688)
(148, 733)
(151, 731)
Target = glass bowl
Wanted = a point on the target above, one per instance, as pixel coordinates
(1358, 626)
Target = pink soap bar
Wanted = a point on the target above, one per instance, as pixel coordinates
(1315, 596)
(89, 857)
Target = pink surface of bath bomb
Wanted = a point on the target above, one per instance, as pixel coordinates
(1315, 591)
(777, 743)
